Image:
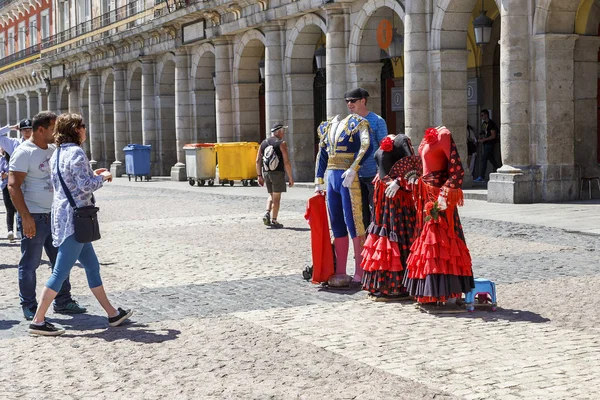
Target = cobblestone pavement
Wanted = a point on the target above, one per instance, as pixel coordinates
(222, 312)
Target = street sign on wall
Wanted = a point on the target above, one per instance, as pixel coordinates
(193, 31)
(397, 99)
(473, 91)
(57, 71)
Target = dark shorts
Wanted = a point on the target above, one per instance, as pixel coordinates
(275, 181)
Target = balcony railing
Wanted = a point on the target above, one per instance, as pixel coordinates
(117, 15)
(129, 11)
(4, 3)
(18, 56)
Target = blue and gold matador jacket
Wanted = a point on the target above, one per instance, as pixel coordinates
(342, 144)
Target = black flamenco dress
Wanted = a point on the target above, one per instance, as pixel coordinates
(392, 227)
(439, 265)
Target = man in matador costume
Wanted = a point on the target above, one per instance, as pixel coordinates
(342, 148)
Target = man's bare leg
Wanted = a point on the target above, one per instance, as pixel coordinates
(276, 201)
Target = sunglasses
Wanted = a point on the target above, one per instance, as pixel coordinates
(352, 101)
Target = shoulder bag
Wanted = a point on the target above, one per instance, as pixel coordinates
(85, 219)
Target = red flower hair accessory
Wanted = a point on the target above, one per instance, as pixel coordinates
(431, 136)
(432, 211)
(387, 144)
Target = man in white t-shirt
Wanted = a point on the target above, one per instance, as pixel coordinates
(32, 194)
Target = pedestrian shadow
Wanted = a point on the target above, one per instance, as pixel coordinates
(340, 291)
(128, 330)
(6, 325)
(8, 266)
(501, 314)
(134, 333)
(296, 229)
(15, 244)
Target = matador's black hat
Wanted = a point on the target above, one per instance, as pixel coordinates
(358, 93)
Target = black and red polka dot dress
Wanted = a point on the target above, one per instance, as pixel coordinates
(392, 227)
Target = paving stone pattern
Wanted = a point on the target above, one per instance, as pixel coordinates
(222, 312)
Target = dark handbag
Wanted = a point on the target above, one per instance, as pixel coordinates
(471, 147)
(85, 219)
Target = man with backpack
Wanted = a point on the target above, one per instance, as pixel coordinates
(272, 163)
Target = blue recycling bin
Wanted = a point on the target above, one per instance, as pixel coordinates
(137, 161)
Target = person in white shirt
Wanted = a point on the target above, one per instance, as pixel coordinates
(32, 194)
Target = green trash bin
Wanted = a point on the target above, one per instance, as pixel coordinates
(200, 163)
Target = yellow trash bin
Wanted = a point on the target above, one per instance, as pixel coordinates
(237, 162)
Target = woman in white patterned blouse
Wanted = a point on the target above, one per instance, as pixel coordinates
(81, 182)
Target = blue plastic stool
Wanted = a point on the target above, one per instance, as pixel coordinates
(484, 291)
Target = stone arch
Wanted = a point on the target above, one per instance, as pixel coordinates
(364, 17)
(555, 16)
(203, 94)
(134, 102)
(306, 28)
(450, 23)
(197, 55)
(165, 102)
(250, 48)
(588, 18)
(107, 89)
(300, 82)
(248, 52)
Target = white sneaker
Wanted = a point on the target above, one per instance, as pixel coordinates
(18, 236)
(11, 236)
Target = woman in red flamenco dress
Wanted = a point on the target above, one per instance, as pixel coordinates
(391, 232)
(439, 265)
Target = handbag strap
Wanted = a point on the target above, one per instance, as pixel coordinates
(64, 185)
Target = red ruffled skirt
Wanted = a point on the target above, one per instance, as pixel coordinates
(388, 243)
(439, 265)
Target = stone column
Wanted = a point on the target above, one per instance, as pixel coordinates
(586, 106)
(183, 114)
(274, 88)
(368, 76)
(416, 71)
(335, 63)
(52, 90)
(32, 102)
(449, 69)
(94, 128)
(74, 96)
(3, 115)
(553, 138)
(223, 102)
(11, 111)
(301, 138)
(21, 106)
(148, 111)
(42, 97)
(247, 127)
(120, 119)
(514, 181)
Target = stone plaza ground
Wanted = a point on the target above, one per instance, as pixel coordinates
(222, 310)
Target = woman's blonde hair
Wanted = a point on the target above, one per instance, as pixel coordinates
(65, 130)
